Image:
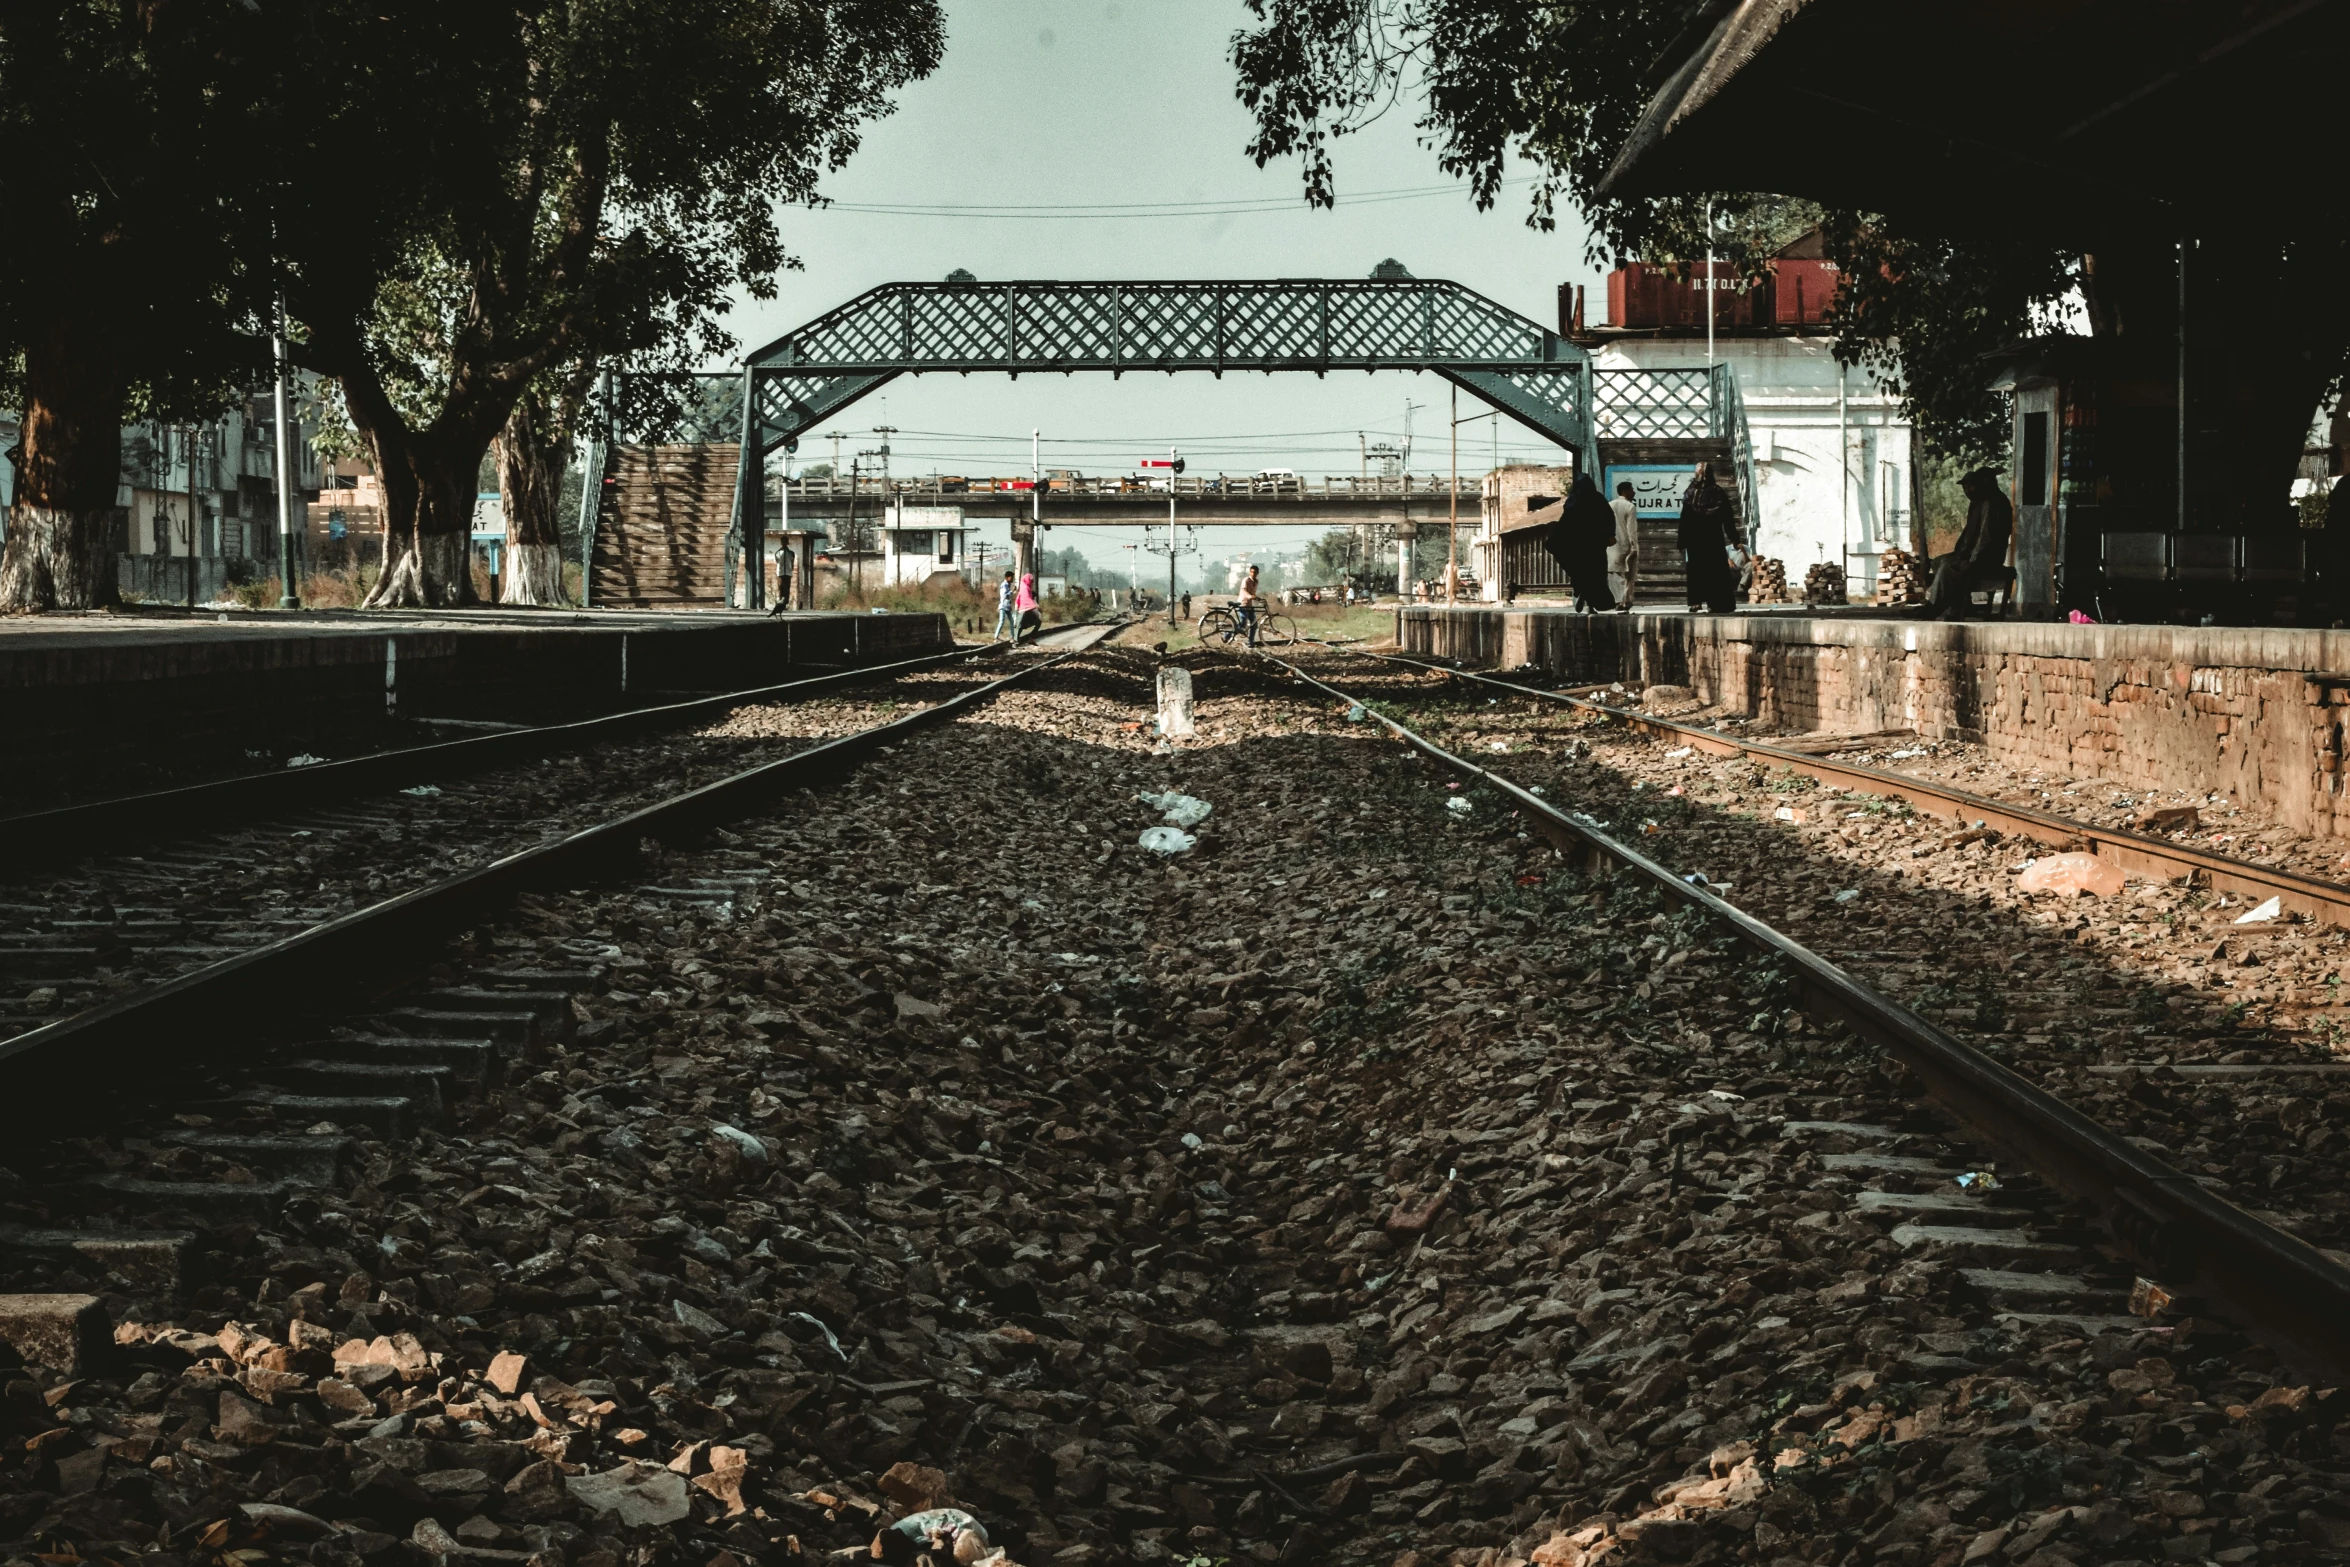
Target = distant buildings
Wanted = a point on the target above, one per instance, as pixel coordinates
(202, 493)
(1834, 460)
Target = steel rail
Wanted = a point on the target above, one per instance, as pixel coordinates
(2322, 900)
(67, 832)
(228, 1008)
(2165, 1222)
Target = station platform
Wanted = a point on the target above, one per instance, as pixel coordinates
(2256, 712)
(106, 694)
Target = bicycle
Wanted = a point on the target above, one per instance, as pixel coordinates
(1222, 625)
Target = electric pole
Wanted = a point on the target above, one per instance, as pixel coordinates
(289, 590)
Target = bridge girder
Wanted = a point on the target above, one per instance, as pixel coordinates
(1032, 328)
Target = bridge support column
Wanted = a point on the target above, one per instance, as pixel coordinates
(1404, 537)
(1023, 546)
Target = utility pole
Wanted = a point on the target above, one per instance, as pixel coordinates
(1709, 283)
(1452, 530)
(289, 590)
(1174, 467)
(195, 516)
(856, 562)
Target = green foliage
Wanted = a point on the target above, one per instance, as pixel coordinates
(1559, 88)
(1930, 316)
(1942, 505)
(1366, 555)
(121, 129)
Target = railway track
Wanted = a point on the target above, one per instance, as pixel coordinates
(2143, 854)
(212, 1035)
(83, 920)
(1283, 1201)
(2162, 1219)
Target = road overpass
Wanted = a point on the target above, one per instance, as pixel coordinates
(1219, 499)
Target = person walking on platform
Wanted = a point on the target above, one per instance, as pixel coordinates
(1623, 556)
(1582, 539)
(1708, 527)
(1980, 558)
(1006, 619)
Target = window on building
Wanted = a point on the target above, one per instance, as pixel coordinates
(2035, 474)
(915, 541)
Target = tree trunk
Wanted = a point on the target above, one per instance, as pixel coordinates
(59, 553)
(530, 469)
(428, 527)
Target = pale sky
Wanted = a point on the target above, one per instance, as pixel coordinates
(1062, 104)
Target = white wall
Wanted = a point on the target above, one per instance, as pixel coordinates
(1789, 387)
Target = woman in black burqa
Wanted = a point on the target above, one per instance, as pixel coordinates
(1578, 542)
(1708, 534)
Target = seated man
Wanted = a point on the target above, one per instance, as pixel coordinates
(1979, 560)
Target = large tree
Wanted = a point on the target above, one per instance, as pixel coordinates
(591, 183)
(127, 282)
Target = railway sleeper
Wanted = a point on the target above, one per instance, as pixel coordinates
(475, 1065)
(147, 1261)
(312, 1161)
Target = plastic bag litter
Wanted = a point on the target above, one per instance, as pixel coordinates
(2072, 875)
(423, 791)
(1978, 1181)
(1458, 806)
(1356, 714)
(2261, 914)
(304, 760)
(831, 1340)
(1166, 840)
(1181, 810)
(1847, 894)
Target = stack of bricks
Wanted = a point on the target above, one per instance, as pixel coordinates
(1901, 578)
(1770, 582)
(1824, 584)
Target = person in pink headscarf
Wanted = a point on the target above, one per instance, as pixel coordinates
(1024, 603)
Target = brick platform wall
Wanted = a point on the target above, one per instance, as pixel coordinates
(2252, 712)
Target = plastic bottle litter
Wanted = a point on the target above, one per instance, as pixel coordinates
(945, 1534)
(2072, 875)
(1166, 840)
(1180, 810)
(2261, 914)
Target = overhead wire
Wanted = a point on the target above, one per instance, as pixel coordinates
(1112, 211)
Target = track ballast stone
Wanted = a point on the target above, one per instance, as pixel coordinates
(1358, 1187)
